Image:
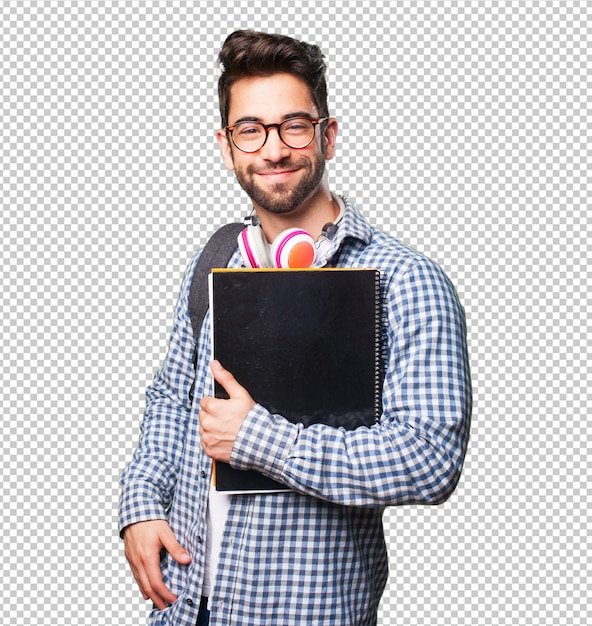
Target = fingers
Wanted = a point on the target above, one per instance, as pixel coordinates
(220, 420)
(232, 387)
(146, 571)
(143, 544)
(173, 547)
(239, 398)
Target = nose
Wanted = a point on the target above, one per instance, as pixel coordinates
(274, 148)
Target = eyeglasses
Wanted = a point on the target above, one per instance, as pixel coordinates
(296, 132)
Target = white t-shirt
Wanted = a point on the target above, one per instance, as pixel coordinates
(218, 506)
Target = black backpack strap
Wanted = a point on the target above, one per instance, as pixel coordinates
(216, 253)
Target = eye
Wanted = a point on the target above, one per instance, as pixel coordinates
(296, 126)
(248, 130)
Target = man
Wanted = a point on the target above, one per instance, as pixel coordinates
(315, 554)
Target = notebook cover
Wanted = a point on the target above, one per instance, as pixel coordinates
(304, 343)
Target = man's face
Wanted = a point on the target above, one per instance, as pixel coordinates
(278, 179)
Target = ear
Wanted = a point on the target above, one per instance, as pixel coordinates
(225, 148)
(330, 137)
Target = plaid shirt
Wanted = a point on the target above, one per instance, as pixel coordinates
(315, 555)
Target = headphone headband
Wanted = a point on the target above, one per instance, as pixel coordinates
(292, 248)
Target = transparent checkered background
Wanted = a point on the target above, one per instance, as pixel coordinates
(464, 131)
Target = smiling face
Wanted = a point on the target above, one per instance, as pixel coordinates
(278, 179)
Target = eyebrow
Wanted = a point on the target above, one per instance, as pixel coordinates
(289, 116)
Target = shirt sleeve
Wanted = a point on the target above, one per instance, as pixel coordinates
(414, 454)
(148, 482)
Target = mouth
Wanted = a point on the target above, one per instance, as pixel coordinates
(277, 175)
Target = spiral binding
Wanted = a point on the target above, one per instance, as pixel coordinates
(377, 350)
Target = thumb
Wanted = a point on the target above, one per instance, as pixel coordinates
(174, 548)
(232, 387)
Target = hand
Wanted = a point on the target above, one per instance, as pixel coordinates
(143, 543)
(220, 420)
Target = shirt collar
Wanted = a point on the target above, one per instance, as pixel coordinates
(353, 223)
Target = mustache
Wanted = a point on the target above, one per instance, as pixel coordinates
(278, 167)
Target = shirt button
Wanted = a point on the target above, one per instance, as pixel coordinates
(199, 539)
(189, 602)
(203, 474)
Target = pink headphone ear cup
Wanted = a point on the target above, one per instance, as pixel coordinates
(293, 248)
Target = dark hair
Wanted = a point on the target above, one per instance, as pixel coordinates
(247, 53)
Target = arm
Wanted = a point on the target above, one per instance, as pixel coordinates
(148, 482)
(415, 453)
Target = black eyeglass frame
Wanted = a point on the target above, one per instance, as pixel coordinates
(315, 122)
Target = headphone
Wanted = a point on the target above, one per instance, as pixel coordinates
(292, 248)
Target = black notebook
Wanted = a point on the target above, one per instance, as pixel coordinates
(304, 343)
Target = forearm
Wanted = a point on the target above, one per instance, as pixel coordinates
(388, 464)
(148, 482)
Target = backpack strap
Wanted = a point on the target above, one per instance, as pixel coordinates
(216, 253)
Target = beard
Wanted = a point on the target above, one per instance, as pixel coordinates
(283, 198)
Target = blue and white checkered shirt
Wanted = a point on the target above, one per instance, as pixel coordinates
(315, 555)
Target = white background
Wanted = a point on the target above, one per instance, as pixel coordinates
(464, 132)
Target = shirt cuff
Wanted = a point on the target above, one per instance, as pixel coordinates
(139, 503)
(264, 442)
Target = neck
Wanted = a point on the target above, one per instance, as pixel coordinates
(310, 216)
